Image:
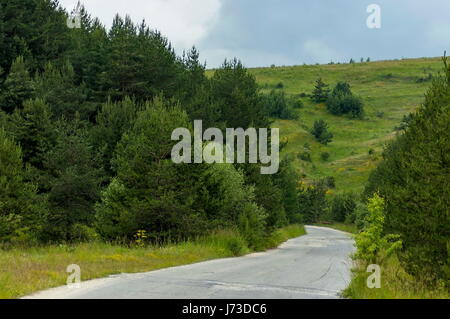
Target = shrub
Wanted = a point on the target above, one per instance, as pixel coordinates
(305, 156)
(345, 104)
(325, 156)
(330, 182)
(371, 242)
(342, 101)
(231, 239)
(312, 201)
(296, 103)
(321, 133)
(276, 104)
(361, 213)
(406, 120)
(343, 208)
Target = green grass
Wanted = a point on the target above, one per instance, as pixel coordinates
(283, 234)
(395, 284)
(390, 88)
(348, 228)
(27, 270)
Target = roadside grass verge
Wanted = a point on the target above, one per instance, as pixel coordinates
(283, 234)
(348, 228)
(27, 270)
(395, 284)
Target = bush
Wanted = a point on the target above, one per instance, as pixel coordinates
(296, 103)
(321, 133)
(345, 104)
(361, 213)
(83, 233)
(305, 156)
(371, 242)
(312, 201)
(343, 208)
(325, 156)
(342, 101)
(277, 105)
(232, 240)
(330, 182)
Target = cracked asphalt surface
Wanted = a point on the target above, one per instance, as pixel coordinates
(313, 266)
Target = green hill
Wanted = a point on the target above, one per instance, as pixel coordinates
(389, 89)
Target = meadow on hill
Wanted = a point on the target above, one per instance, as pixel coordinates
(389, 90)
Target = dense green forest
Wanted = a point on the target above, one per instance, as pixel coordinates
(86, 122)
(86, 116)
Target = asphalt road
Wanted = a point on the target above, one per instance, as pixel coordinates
(313, 266)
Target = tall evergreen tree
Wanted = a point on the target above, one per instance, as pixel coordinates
(21, 210)
(34, 130)
(18, 87)
(236, 91)
(58, 89)
(36, 30)
(413, 179)
(320, 92)
(71, 177)
(112, 122)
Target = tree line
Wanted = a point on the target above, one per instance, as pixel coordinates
(85, 135)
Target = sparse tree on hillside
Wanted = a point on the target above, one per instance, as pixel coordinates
(320, 92)
(321, 133)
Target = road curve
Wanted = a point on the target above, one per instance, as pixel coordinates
(313, 266)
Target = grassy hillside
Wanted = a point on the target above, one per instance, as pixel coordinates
(389, 89)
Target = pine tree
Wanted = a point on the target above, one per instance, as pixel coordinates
(150, 192)
(413, 180)
(236, 92)
(21, 210)
(321, 133)
(58, 89)
(71, 177)
(320, 92)
(18, 87)
(113, 120)
(34, 130)
(36, 30)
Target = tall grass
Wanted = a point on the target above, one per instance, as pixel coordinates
(395, 284)
(26, 270)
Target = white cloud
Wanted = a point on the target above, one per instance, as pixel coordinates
(184, 22)
(317, 51)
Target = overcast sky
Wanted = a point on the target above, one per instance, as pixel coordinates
(288, 32)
